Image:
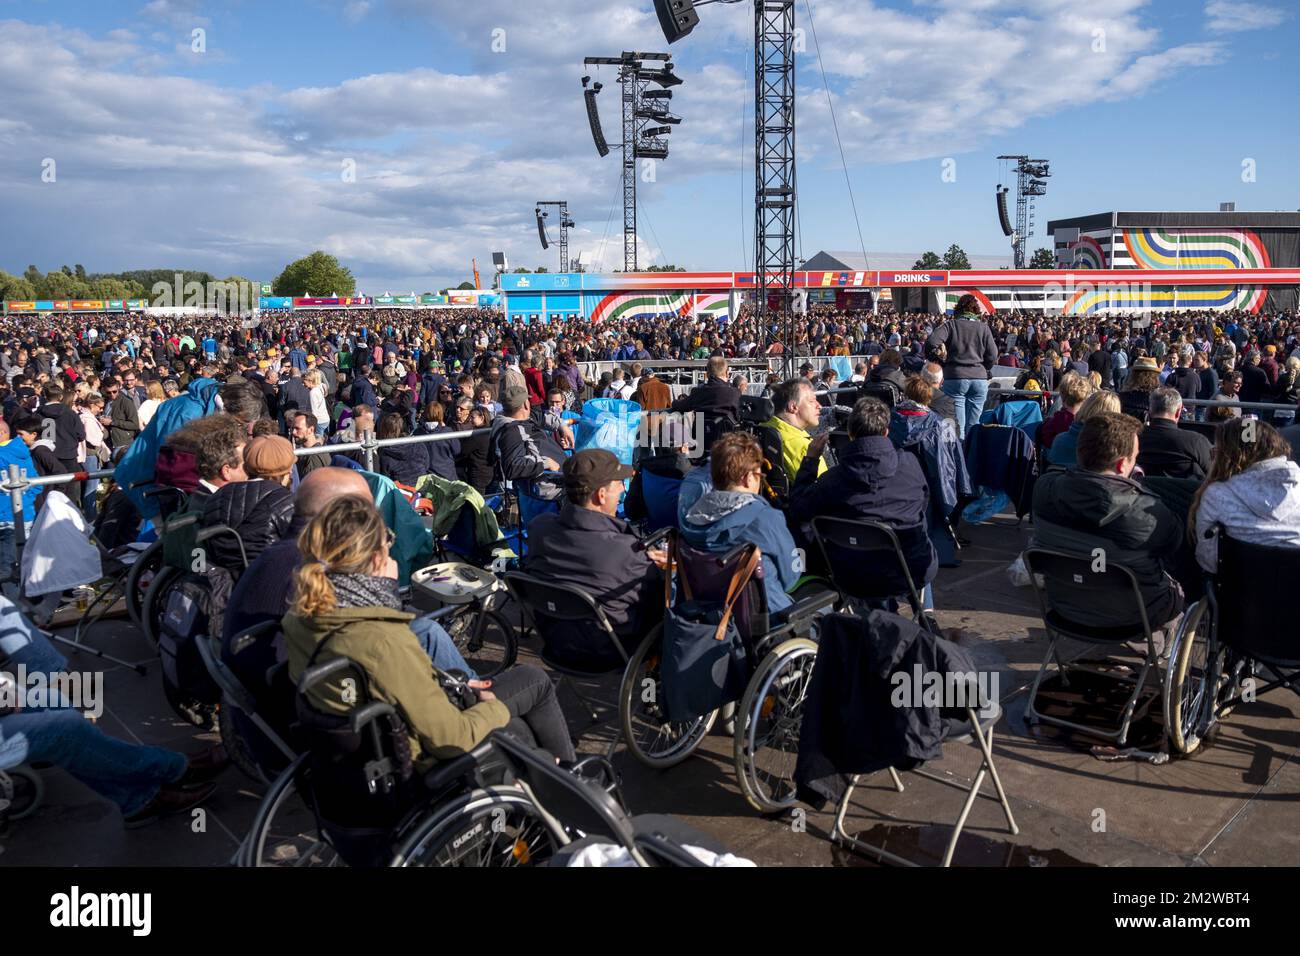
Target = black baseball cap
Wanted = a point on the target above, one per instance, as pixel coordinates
(592, 469)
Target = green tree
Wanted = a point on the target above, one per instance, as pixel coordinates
(315, 275)
(955, 258)
(465, 285)
(521, 270)
(57, 285)
(928, 260)
(1043, 259)
(34, 276)
(79, 271)
(15, 288)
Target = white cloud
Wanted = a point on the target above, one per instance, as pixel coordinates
(163, 170)
(356, 10)
(1232, 16)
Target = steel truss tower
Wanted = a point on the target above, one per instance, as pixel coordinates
(774, 187)
(637, 102)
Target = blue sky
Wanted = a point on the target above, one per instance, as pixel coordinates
(231, 159)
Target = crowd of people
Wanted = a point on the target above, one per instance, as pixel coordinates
(226, 401)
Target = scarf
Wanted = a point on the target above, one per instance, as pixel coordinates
(365, 590)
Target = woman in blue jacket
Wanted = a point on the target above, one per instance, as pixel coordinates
(732, 513)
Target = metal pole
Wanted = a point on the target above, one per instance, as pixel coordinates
(368, 447)
(16, 485)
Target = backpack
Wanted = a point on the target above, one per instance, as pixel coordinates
(196, 608)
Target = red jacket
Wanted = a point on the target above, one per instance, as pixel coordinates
(536, 387)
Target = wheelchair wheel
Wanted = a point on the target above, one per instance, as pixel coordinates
(768, 723)
(21, 792)
(240, 753)
(653, 739)
(498, 826)
(284, 831)
(485, 639)
(138, 579)
(155, 602)
(1192, 681)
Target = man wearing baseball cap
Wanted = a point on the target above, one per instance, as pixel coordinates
(587, 545)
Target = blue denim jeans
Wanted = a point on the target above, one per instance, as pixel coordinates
(437, 643)
(968, 395)
(128, 774)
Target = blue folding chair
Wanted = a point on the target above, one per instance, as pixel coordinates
(661, 493)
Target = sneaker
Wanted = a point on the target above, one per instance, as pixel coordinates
(170, 800)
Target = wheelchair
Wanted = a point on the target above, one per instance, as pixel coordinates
(21, 793)
(353, 798)
(765, 739)
(1231, 647)
(179, 610)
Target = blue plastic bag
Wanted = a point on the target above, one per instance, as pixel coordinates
(611, 424)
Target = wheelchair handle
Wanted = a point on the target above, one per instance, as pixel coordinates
(662, 534)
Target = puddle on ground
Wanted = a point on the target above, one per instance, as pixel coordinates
(1092, 700)
(926, 845)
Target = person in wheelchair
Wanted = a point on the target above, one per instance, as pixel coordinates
(797, 412)
(876, 482)
(588, 545)
(345, 603)
(145, 782)
(1252, 490)
(259, 510)
(732, 512)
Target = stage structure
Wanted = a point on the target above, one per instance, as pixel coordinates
(774, 158)
(1031, 182)
(641, 106)
(565, 225)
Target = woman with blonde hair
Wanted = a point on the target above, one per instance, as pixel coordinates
(150, 405)
(1074, 389)
(1062, 452)
(1252, 490)
(319, 407)
(345, 603)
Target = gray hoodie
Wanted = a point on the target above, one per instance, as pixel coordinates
(1259, 506)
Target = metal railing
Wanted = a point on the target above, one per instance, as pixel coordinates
(17, 482)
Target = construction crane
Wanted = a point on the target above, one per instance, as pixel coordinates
(474, 263)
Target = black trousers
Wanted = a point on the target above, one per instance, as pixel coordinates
(535, 714)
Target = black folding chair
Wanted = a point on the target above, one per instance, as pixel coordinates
(578, 640)
(1111, 586)
(872, 566)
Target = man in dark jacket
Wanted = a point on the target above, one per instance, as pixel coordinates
(873, 481)
(259, 510)
(294, 397)
(124, 413)
(68, 431)
(1254, 381)
(1097, 510)
(716, 400)
(1167, 450)
(519, 448)
(585, 544)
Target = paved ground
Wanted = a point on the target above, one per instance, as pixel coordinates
(1235, 803)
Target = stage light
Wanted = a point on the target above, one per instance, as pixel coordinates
(656, 131)
(646, 151)
(598, 87)
(657, 95)
(677, 18)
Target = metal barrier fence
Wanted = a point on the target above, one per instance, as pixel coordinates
(18, 482)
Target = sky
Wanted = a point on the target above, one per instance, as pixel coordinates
(407, 136)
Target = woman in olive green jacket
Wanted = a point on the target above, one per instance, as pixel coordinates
(345, 603)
